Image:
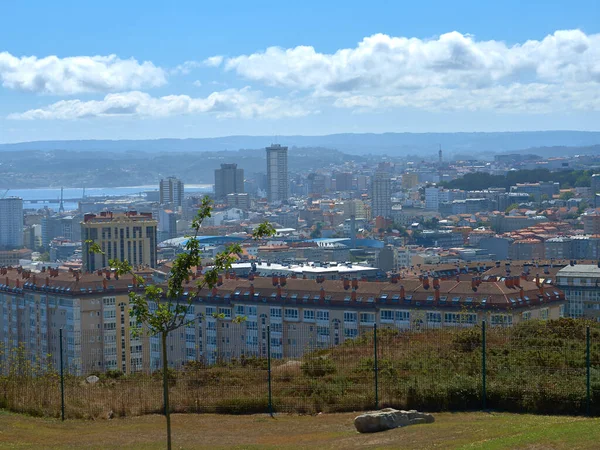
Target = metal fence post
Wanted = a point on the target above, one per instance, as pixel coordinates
(376, 366)
(269, 369)
(483, 368)
(587, 366)
(62, 377)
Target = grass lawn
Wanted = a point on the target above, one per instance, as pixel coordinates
(450, 431)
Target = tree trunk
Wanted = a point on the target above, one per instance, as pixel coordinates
(166, 387)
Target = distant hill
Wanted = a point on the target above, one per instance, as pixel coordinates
(556, 151)
(393, 144)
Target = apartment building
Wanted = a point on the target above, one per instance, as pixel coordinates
(581, 286)
(130, 236)
(93, 310)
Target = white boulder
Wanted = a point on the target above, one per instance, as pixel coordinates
(388, 418)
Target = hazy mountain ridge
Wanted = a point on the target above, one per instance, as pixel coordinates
(393, 144)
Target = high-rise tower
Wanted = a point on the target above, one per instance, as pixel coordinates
(277, 173)
(171, 191)
(228, 180)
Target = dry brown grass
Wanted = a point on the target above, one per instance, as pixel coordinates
(326, 431)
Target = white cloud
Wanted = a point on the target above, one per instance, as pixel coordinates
(185, 68)
(231, 103)
(197, 83)
(452, 71)
(78, 74)
(213, 61)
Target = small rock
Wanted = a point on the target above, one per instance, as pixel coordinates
(92, 379)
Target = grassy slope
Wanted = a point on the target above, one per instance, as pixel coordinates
(453, 431)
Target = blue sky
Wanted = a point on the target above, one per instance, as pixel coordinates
(77, 70)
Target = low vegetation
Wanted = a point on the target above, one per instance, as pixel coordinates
(535, 367)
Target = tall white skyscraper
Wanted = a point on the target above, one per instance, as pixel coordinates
(11, 222)
(171, 191)
(277, 173)
(381, 195)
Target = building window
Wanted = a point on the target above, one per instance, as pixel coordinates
(291, 314)
(403, 316)
(350, 317)
(434, 317)
(323, 316)
(275, 313)
(225, 313)
(526, 315)
(387, 315)
(309, 315)
(367, 318)
(350, 333)
(501, 320)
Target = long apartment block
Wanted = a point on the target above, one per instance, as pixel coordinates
(93, 310)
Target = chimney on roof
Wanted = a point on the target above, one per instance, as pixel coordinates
(251, 276)
(322, 293)
(251, 291)
(546, 270)
(214, 291)
(517, 281)
(508, 282)
(522, 293)
(437, 294)
(104, 284)
(346, 284)
(77, 277)
(436, 282)
(47, 281)
(353, 295)
(220, 280)
(473, 284)
(294, 276)
(17, 283)
(279, 291)
(537, 279)
(425, 282)
(274, 279)
(571, 263)
(282, 280)
(227, 275)
(402, 292)
(542, 289)
(355, 283)
(457, 278)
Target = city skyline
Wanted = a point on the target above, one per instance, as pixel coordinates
(430, 69)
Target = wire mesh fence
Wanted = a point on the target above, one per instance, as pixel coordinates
(287, 366)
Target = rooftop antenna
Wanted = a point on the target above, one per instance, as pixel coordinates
(61, 207)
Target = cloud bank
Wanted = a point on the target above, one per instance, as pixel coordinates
(231, 103)
(454, 69)
(77, 74)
